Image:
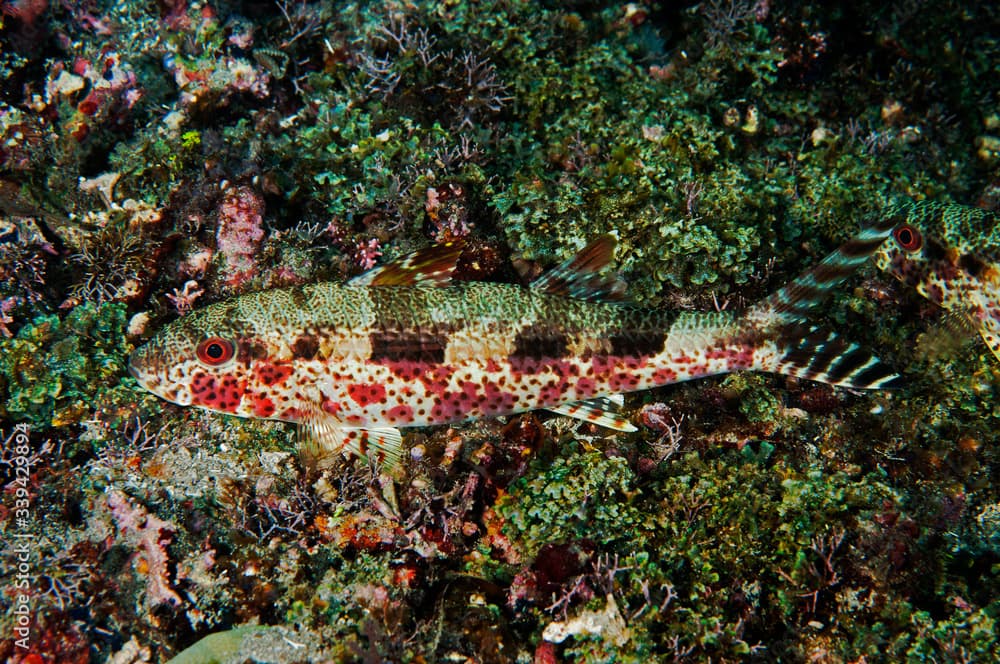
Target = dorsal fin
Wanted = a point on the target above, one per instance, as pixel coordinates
(430, 266)
(581, 276)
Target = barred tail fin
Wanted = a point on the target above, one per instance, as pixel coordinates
(800, 297)
(820, 355)
(814, 353)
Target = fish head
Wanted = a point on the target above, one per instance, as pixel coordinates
(202, 359)
(947, 252)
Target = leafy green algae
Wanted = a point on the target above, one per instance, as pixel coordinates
(56, 370)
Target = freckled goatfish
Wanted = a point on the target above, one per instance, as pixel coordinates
(951, 255)
(404, 345)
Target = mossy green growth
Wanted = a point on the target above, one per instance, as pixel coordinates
(964, 636)
(757, 402)
(56, 370)
(584, 495)
(723, 545)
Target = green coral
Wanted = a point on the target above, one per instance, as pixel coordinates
(56, 370)
(964, 636)
(583, 495)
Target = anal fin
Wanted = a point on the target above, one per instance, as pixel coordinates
(602, 410)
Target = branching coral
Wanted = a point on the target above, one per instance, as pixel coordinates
(110, 265)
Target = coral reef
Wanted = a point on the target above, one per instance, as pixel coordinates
(155, 157)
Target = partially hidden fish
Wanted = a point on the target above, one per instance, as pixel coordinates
(951, 255)
(403, 345)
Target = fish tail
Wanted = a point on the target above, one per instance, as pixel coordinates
(796, 348)
(819, 354)
(804, 294)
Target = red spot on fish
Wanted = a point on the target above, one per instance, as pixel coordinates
(549, 394)
(365, 394)
(219, 393)
(400, 414)
(263, 407)
(492, 366)
(271, 374)
(634, 363)
(664, 376)
(437, 379)
(623, 382)
(453, 405)
(603, 364)
(291, 415)
(406, 370)
(330, 406)
(737, 358)
(497, 401)
(585, 387)
(525, 365)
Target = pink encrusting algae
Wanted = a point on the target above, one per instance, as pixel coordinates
(240, 233)
(404, 346)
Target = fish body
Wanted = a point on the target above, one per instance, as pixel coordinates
(406, 346)
(951, 255)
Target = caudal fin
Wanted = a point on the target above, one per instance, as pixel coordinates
(820, 355)
(804, 294)
(805, 351)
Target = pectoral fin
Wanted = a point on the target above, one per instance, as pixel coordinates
(602, 410)
(323, 436)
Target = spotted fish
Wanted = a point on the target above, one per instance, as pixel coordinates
(404, 345)
(951, 255)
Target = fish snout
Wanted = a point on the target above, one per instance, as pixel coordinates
(140, 366)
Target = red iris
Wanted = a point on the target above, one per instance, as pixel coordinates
(908, 237)
(215, 351)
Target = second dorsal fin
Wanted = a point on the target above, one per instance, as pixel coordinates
(583, 276)
(430, 266)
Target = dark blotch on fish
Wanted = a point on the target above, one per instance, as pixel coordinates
(396, 345)
(537, 343)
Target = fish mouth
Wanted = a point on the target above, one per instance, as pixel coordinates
(145, 379)
(133, 365)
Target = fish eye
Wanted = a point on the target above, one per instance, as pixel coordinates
(908, 237)
(215, 351)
